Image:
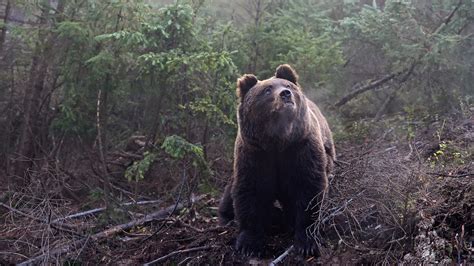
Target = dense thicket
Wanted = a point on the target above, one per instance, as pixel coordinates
(102, 71)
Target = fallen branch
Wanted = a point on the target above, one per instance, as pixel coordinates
(71, 246)
(96, 210)
(448, 175)
(281, 257)
(160, 259)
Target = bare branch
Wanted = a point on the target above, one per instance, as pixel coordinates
(282, 256)
(448, 175)
(101, 209)
(160, 259)
(370, 86)
(448, 18)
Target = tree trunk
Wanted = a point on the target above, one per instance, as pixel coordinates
(33, 122)
(101, 136)
(258, 10)
(3, 32)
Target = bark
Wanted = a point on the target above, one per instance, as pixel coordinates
(101, 136)
(3, 32)
(102, 119)
(34, 121)
(255, 9)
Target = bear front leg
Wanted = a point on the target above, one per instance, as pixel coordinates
(253, 192)
(304, 243)
(311, 185)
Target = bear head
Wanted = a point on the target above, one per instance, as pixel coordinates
(271, 110)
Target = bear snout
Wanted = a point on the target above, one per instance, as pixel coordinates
(286, 95)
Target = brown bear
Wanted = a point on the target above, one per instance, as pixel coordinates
(283, 153)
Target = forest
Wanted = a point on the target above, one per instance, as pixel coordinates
(118, 120)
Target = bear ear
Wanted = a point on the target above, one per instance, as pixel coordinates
(245, 83)
(286, 72)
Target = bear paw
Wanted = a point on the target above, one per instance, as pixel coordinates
(249, 244)
(306, 246)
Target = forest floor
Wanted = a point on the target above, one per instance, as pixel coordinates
(391, 199)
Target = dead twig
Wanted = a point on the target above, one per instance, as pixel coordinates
(281, 257)
(448, 175)
(101, 209)
(160, 259)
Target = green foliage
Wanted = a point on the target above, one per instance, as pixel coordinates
(182, 150)
(295, 33)
(170, 70)
(155, 57)
(395, 31)
(448, 154)
(138, 169)
(178, 148)
(210, 110)
(74, 32)
(402, 35)
(304, 38)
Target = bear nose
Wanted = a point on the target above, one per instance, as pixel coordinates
(285, 94)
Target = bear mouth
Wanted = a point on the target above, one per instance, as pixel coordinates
(284, 106)
(288, 104)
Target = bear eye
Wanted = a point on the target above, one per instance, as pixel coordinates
(288, 86)
(268, 90)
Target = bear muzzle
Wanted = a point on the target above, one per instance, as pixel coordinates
(287, 96)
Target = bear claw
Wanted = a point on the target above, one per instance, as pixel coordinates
(249, 245)
(306, 247)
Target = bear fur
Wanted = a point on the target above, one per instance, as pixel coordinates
(283, 153)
